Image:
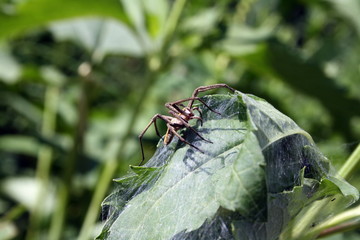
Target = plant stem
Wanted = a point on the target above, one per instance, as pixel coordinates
(340, 228)
(300, 230)
(13, 213)
(57, 220)
(44, 161)
(338, 223)
(100, 191)
(74, 155)
(173, 19)
(351, 163)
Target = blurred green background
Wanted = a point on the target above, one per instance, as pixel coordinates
(79, 80)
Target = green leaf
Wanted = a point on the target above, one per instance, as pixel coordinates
(153, 23)
(24, 190)
(36, 13)
(251, 182)
(307, 208)
(22, 106)
(148, 19)
(100, 36)
(244, 40)
(232, 185)
(141, 174)
(135, 12)
(11, 69)
(271, 125)
(156, 16)
(188, 177)
(203, 22)
(129, 186)
(19, 144)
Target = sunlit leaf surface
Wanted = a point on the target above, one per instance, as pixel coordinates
(256, 175)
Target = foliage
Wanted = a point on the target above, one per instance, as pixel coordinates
(261, 173)
(80, 79)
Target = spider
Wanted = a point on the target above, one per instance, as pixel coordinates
(181, 115)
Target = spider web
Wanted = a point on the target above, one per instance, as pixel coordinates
(259, 174)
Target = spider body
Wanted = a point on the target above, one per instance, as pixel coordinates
(176, 124)
(181, 115)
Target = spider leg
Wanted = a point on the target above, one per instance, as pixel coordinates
(181, 105)
(198, 110)
(152, 121)
(199, 119)
(200, 114)
(186, 124)
(172, 129)
(206, 88)
(173, 105)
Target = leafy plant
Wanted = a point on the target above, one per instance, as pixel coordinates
(80, 79)
(258, 179)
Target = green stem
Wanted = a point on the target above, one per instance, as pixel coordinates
(65, 188)
(338, 223)
(57, 220)
(173, 19)
(300, 231)
(100, 191)
(44, 161)
(13, 213)
(349, 226)
(351, 163)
